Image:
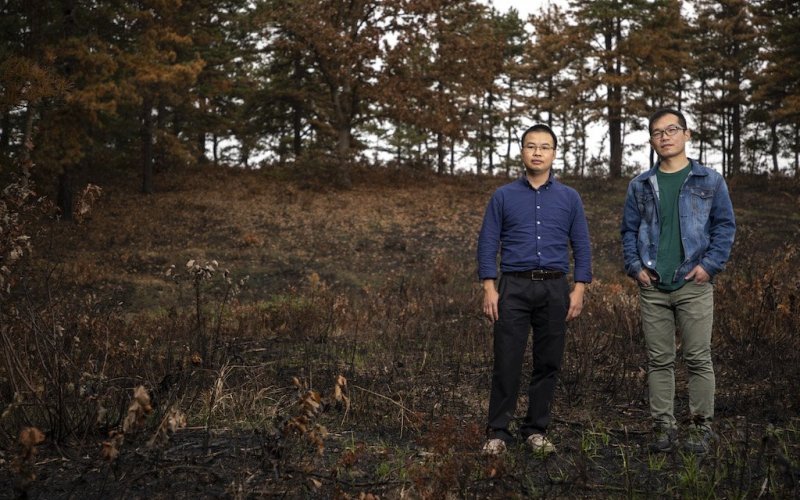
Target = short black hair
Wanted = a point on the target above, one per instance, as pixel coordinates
(666, 111)
(539, 127)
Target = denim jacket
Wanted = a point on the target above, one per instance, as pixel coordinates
(706, 220)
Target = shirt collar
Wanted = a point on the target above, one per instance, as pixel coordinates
(550, 180)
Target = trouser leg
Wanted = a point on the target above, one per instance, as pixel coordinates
(694, 309)
(548, 320)
(511, 332)
(658, 326)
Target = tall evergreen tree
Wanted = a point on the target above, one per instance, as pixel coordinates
(729, 36)
(221, 33)
(159, 74)
(445, 57)
(558, 88)
(610, 24)
(512, 82)
(341, 44)
(776, 92)
(505, 114)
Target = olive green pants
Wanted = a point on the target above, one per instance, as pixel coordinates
(691, 310)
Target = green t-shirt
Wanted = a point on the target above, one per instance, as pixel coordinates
(670, 248)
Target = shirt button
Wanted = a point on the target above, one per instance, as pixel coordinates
(649, 263)
(538, 237)
(538, 222)
(537, 206)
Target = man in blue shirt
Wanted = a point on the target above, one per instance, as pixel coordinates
(533, 222)
(677, 232)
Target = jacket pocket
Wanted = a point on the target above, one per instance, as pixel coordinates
(702, 198)
(646, 203)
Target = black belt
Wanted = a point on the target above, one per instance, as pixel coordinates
(537, 274)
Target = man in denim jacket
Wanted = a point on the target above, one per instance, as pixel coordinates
(677, 231)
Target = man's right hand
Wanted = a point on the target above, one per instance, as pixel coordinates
(644, 277)
(490, 299)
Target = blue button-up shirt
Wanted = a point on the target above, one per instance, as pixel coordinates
(533, 229)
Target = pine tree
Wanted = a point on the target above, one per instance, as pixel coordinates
(559, 90)
(505, 113)
(157, 73)
(512, 82)
(776, 83)
(221, 36)
(445, 58)
(340, 45)
(729, 54)
(610, 26)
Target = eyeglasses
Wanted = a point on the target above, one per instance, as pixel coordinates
(544, 148)
(669, 132)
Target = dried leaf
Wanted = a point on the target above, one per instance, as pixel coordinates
(30, 437)
(138, 410)
(110, 448)
(109, 452)
(176, 420)
(141, 397)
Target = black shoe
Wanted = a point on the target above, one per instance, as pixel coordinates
(666, 439)
(701, 437)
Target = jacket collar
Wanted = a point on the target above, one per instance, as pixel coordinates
(697, 169)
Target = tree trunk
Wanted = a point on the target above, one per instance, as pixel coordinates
(202, 135)
(342, 169)
(796, 151)
(147, 146)
(452, 157)
(615, 135)
(215, 148)
(159, 153)
(701, 124)
(201, 148)
(480, 136)
(65, 194)
(723, 144)
(736, 118)
(297, 131)
(440, 153)
(736, 139)
(773, 135)
(490, 125)
(614, 96)
(297, 118)
(5, 133)
(342, 124)
(736, 136)
(27, 135)
(509, 132)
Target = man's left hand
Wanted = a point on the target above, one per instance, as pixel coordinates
(576, 301)
(698, 275)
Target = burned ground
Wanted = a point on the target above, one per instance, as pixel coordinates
(328, 343)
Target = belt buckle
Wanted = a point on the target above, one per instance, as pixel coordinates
(537, 275)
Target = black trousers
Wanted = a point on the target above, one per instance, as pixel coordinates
(526, 304)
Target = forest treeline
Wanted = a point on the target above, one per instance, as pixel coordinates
(95, 84)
